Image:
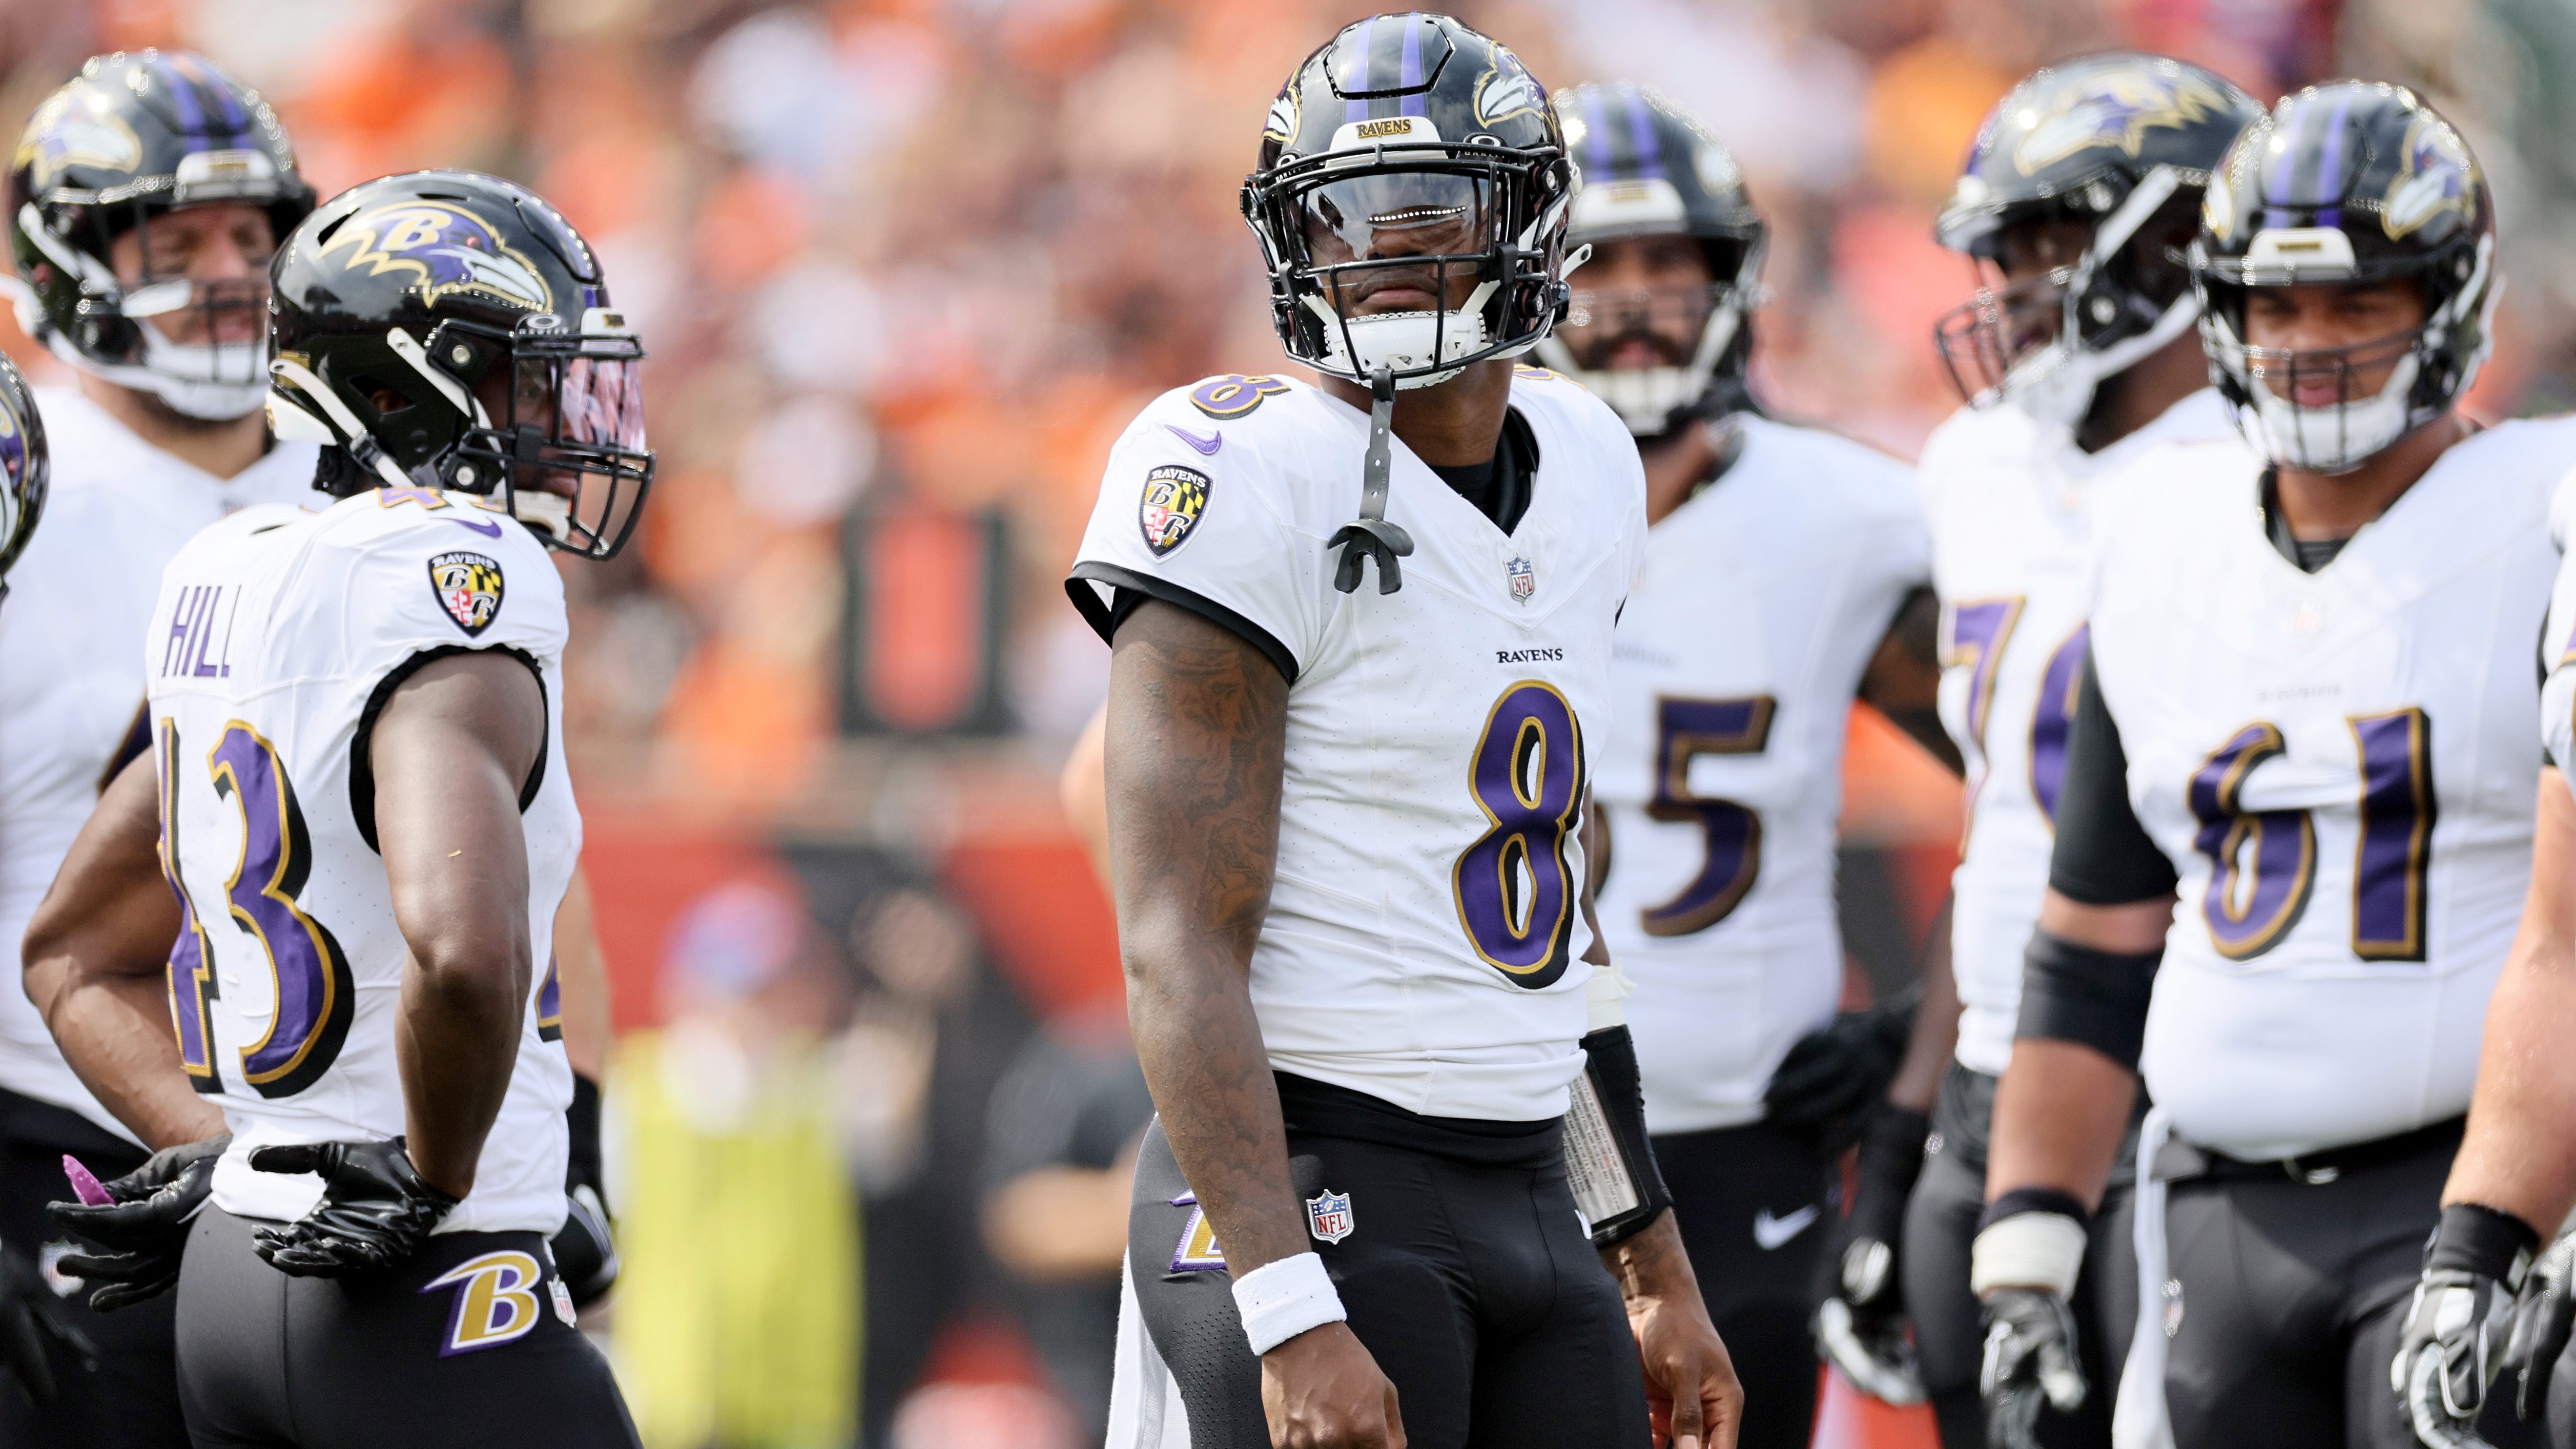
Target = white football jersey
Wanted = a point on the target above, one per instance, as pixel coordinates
(2340, 767)
(1720, 765)
(276, 634)
(71, 682)
(2011, 502)
(1425, 935)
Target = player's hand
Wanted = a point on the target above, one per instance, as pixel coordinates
(1860, 1326)
(1693, 1400)
(143, 1233)
(1321, 1390)
(1832, 1075)
(2029, 1359)
(2459, 1322)
(584, 1249)
(2542, 1316)
(375, 1208)
(29, 1325)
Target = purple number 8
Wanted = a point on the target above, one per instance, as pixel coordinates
(315, 993)
(1517, 895)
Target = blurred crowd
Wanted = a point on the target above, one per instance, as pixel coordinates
(905, 269)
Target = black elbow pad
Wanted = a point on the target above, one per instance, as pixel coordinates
(2093, 998)
(1608, 1161)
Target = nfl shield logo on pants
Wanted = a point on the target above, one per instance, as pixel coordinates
(1328, 1216)
(1524, 583)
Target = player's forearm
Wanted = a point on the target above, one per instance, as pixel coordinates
(1195, 752)
(1652, 1264)
(1903, 679)
(2060, 1113)
(2520, 1154)
(457, 1042)
(115, 1033)
(1936, 1026)
(582, 973)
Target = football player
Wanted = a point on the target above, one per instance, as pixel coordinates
(2489, 1302)
(357, 795)
(2076, 357)
(2295, 824)
(1721, 762)
(148, 194)
(1346, 774)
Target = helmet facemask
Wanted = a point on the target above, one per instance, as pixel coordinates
(1477, 228)
(548, 421)
(1653, 400)
(2047, 343)
(2317, 409)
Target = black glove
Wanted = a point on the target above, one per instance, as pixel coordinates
(2460, 1322)
(2030, 1357)
(144, 1232)
(585, 1249)
(29, 1322)
(1832, 1075)
(2541, 1318)
(1860, 1326)
(374, 1210)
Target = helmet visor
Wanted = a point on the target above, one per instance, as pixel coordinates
(1389, 214)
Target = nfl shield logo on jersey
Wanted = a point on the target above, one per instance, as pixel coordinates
(468, 586)
(1173, 500)
(1328, 1216)
(1524, 583)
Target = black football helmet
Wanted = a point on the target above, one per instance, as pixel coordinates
(129, 137)
(2350, 182)
(445, 329)
(1645, 168)
(1414, 148)
(2120, 142)
(24, 467)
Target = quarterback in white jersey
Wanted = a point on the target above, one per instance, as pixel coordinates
(1719, 768)
(1347, 767)
(358, 796)
(156, 302)
(2296, 821)
(2076, 359)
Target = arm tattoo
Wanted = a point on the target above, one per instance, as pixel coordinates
(1196, 740)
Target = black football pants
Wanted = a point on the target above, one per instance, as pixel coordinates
(128, 1398)
(1475, 1288)
(1949, 1332)
(2293, 1298)
(1751, 1205)
(461, 1346)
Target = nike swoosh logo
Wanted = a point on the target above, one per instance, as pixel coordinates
(488, 530)
(1207, 446)
(1770, 1232)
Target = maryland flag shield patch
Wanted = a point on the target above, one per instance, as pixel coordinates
(468, 586)
(1174, 499)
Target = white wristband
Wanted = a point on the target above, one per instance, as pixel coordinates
(1282, 1299)
(2028, 1250)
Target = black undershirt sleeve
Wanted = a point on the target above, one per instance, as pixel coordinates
(2103, 856)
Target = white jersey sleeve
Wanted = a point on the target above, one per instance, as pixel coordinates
(2558, 640)
(1191, 506)
(277, 638)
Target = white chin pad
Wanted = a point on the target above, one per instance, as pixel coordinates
(1403, 341)
(549, 511)
(2338, 436)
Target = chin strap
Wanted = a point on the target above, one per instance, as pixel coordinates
(1370, 535)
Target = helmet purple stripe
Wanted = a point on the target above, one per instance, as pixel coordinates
(1355, 75)
(1641, 132)
(1596, 134)
(183, 96)
(1410, 75)
(2330, 163)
